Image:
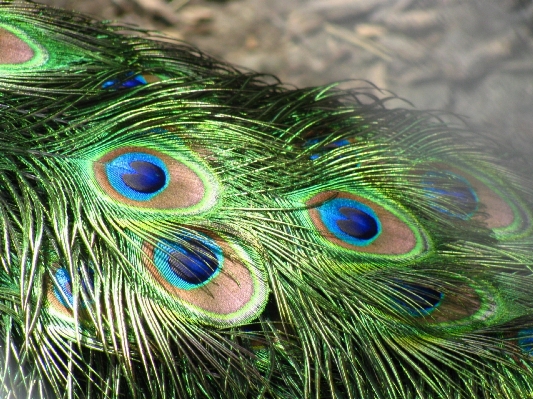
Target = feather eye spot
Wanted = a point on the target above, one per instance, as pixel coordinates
(217, 281)
(188, 264)
(452, 194)
(361, 224)
(416, 300)
(500, 211)
(145, 178)
(459, 303)
(137, 176)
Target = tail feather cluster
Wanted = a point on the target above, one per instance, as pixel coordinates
(174, 228)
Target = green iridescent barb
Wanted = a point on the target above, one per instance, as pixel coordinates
(175, 228)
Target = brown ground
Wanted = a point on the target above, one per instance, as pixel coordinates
(472, 57)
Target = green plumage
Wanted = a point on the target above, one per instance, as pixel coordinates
(175, 228)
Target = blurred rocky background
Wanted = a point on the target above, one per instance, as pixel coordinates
(470, 57)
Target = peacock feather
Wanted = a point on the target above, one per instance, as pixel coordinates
(175, 228)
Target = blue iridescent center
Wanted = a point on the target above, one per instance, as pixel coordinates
(454, 195)
(189, 264)
(350, 221)
(133, 81)
(417, 300)
(63, 288)
(137, 176)
(525, 340)
(326, 148)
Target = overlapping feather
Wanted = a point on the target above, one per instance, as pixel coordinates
(175, 228)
